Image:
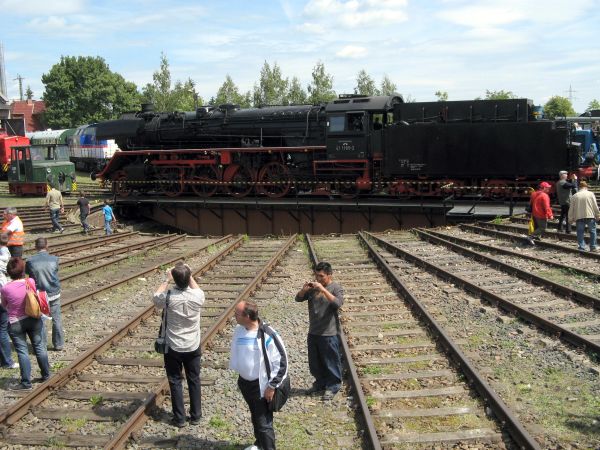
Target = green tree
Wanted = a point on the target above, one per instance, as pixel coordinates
(228, 93)
(272, 87)
(594, 104)
(499, 95)
(296, 95)
(29, 93)
(83, 89)
(181, 97)
(558, 106)
(387, 87)
(365, 85)
(442, 96)
(321, 88)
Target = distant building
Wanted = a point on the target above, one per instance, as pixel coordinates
(31, 111)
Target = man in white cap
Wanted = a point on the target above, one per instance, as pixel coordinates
(584, 211)
(564, 191)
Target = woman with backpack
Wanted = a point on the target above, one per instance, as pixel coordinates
(21, 325)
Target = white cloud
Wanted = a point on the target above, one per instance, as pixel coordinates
(491, 13)
(356, 13)
(352, 51)
(42, 7)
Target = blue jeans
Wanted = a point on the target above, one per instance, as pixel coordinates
(54, 216)
(324, 361)
(58, 334)
(18, 332)
(5, 350)
(107, 227)
(591, 224)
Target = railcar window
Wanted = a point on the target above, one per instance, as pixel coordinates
(355, 122)
(336, 123)
(377, 121)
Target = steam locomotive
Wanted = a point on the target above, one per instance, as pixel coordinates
(352, 145)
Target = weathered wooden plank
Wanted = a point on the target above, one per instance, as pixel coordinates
(389, 347)
(57, 440)
(412, 332)
(408, 359)
(410, 375)
(141, 379)
(446, 437)
(106, 395)
(426, 412)
(144, 362)
(435, 392)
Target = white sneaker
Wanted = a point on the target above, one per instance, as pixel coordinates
(252, 447)
(14, 366)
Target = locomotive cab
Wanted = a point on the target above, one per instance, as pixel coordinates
(355, 124)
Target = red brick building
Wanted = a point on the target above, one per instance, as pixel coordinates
(31, 112)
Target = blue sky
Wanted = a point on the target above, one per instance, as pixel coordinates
(534, 48)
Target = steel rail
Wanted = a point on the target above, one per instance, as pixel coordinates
(514, 427)
(354, 378)
(518, 229)
(70, 301)
(17, 410)
(160, 242)
(486, 228)
(85, 243)
(578, 296)
(103, 254)
(504, 251)
(139, 417)
(568, 336)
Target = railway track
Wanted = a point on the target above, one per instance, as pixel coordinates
(564, 312)
(415, 387)
(114, 385)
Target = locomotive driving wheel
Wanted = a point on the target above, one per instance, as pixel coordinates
(205, 180)
(171, 181)
(277, 180)
(120, 185)
(240, 179)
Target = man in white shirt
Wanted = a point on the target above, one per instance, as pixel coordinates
(248, 360)
(183, 303)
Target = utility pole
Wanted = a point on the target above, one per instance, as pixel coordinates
(570, 92)
(20, 78)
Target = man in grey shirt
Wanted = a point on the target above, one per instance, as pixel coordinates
(564, 192)
(183, 303)
(324, 297)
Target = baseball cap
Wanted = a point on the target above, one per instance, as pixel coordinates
(544, 185)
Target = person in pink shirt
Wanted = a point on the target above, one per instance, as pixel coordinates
(21, 326)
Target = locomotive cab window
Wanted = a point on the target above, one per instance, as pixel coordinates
(336, 124)
(355, 121)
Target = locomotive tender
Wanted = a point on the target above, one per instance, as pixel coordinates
(352, 145)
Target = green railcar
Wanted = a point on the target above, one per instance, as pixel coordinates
(42, 164)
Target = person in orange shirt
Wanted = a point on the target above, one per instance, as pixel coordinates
(13, 226)
(540, 211)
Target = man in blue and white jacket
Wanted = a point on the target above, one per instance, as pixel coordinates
(247, 359)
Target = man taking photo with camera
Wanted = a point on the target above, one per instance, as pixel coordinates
(182, 299)
(324, 297)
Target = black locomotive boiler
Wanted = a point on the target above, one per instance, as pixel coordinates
(352, 145)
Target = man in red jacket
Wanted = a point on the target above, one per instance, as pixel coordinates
(540, 211)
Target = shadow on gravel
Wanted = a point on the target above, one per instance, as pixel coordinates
(589, 424)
